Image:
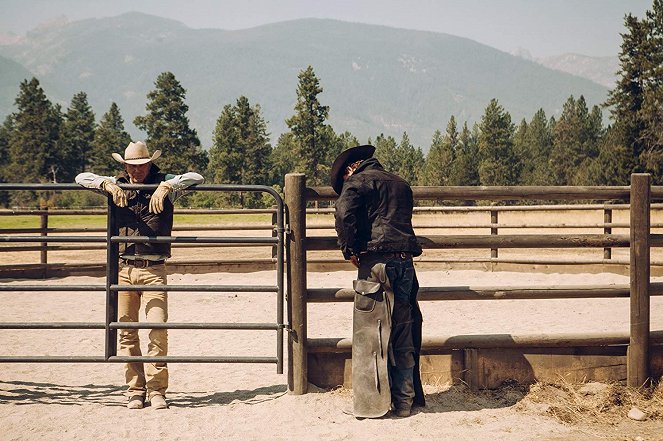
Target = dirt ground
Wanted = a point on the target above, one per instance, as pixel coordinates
(251, 402)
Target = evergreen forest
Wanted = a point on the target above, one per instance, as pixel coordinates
(40, 142)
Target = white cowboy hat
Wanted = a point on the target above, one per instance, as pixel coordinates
(136, 153)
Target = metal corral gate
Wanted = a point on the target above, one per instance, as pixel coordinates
(111, 325)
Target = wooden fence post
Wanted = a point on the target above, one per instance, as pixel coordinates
(43, 254)
(493, 231)
(295, 199)
(607, 219)
(638, 349)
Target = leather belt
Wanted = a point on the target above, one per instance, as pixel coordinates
(403, 255)
(142, 263)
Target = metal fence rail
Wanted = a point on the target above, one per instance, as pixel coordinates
(111, 241)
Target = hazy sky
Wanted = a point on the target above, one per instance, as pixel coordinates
(544, 27)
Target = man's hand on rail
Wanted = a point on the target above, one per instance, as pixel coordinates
(119, 196)
(159, 195)
(354, 260)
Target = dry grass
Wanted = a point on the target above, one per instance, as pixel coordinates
(596, 403)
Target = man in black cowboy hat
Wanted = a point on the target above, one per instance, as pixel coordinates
(374, 227)
(143, 213)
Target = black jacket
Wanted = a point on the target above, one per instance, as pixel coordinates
(374, 212)
(136, 220)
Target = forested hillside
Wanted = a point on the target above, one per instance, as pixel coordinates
(377, 79)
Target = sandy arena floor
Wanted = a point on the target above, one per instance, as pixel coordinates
(250, 402)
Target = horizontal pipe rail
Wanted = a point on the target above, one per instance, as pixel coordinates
(52, 288)
(63, 239)
(325, 295)
(103, 212)
(142, 239)
(53, 359)
(103, 230)
(227, 326)
(201, 288)
(490, 341)
(128, 359)
(51, 325)
(323, 243)
(103, 247)
(193, 239)
(134, 325)
(170, 288)
(202, 187)
(184, 359)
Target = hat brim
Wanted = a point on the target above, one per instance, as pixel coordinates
(346, 158)
(138, 161)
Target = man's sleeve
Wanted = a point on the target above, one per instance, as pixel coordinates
(182, 182)
(92, 181)
(347, 207)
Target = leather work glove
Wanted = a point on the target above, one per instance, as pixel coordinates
(119, 196)
(157, 198)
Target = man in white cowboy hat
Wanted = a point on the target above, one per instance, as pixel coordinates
(143, 213)
(373, 216)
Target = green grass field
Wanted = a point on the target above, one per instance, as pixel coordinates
(92, 221)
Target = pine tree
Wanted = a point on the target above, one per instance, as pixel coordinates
(167, 127)
(385, 152)
(438, 168)
(575, 142)
(76, 137)
(254, 137)
(637, 101)
(523, 152)
(626, 99)
(282, 159)
(652, 104)
(498, 163)
(33, 142)
(308, 128)
(539, 145)
(5, 133)
(465, 169)
(410, 160)
(110, 137)
(346, 140)
(241, 150)
(614, 163)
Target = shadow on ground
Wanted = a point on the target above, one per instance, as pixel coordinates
(459, 398)
(25, 392)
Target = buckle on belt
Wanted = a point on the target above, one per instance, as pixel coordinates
(137, 263)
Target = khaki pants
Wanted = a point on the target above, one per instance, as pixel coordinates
(153, 378)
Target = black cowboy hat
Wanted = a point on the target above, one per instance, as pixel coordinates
(346, 158)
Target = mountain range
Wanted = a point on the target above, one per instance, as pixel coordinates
(376, 79)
